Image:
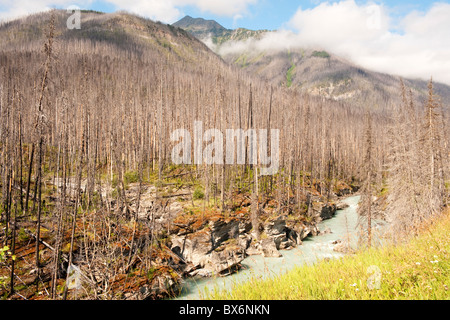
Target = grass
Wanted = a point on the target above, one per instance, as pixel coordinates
(417, 270)
(242, 61)
(289, 75)
(290, 72)
(321, 54)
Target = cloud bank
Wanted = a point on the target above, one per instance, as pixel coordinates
(11, 9)
(171, 10)
(163, 10)
(416, 45)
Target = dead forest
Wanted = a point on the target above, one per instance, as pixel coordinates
(85, 126)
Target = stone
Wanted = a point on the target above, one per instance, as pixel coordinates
(244, 241)
(212, 251)
(222, 231)
(201, 273)
(278, 239)
(268, 249)
(328, 211)
(222, 262)
(192, 248)
(344, 191)
(253, 250)
(305, 231)
(298, 233)
(342, 247)
(315, 230)
(341, 205)
(226, 260)
(276, 227)
(326, 231)
(287, 245)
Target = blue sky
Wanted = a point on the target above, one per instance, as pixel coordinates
(273, 14)
(260, 14)
(251, 14)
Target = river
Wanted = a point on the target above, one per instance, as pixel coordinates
(342, 225)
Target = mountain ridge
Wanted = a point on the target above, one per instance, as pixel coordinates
(316, 71)
(210, 29)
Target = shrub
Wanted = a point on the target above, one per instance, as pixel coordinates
(131, 177)
(321, 54)
(198, 194)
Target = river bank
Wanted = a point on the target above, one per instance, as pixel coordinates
(159, 236)
(418, 269)
(336, 231)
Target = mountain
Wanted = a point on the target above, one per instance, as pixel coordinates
(123, 31)
(321, 73)
(90, 127)
(210, 29)
(200, 27)
(317, 72)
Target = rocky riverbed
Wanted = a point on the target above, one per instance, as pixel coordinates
(222, 244)
(205, 242)
(337, 238)
(193, 238)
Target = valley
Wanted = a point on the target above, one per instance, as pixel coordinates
(111, 191)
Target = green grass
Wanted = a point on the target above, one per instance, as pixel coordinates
(289, 75)
(417, 270)
(290, 72)
(321, 54)
(242, 61)
(131, 177)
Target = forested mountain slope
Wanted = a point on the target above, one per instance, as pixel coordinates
(89, 122)
(315, 71)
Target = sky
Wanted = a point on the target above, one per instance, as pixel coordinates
(402, 37)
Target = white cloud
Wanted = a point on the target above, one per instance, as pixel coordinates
(11, 9)
(340, 23)
(228, 8)
(171, 10)
(163, 10)
(279, 40)
(364, 33)
(419, 47)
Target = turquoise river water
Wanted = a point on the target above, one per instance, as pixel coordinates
(343, 227)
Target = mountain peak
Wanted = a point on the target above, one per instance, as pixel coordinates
(200, 27)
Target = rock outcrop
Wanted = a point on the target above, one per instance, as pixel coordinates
(221, 244)
(341, 205)
(342, 246)
(214, 250)
(328, 211)
(268, 248)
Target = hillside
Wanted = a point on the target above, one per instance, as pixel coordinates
(125, 32)
(216, 33)
(317, 72)
(201, 28)
(133, 158)
(88, 175)
(323, 74)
